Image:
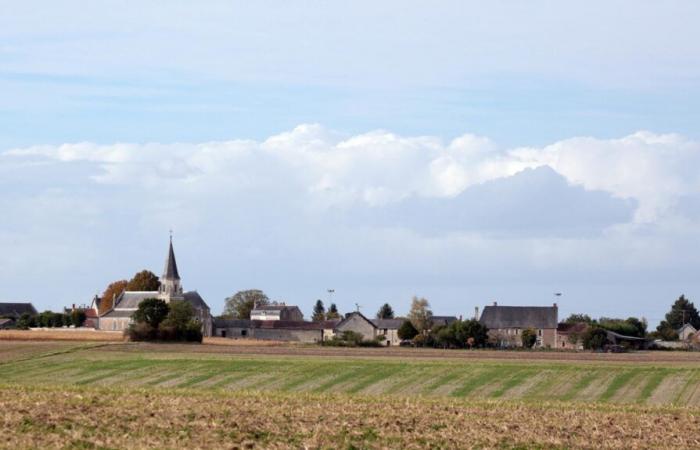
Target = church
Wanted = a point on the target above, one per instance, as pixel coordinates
(125, 304)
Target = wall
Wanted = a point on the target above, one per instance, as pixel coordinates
(114, 324)
(272, 334)
(358, 325)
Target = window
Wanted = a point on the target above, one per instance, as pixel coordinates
(244, 332)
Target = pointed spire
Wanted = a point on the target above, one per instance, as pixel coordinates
(170, 272)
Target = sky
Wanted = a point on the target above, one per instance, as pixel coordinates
(466, 152)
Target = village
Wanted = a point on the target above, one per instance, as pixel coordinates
(251, 315)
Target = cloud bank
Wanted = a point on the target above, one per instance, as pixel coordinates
(378, 210)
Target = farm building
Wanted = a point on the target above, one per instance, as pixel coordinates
(570, 335)
(506, 324)
(275, 330)
(686, 332)
(276, 312)
(10, 312)
(308, 332)
(119, 316)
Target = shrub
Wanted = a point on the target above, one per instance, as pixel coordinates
(141, 331)
(407, 331)
(595, 338)
(528, 337)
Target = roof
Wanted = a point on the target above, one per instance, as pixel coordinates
(495, 317)
(16, 309)
(131, 299)
(348, 316)
(624, 337)
(170, 271)
(195, 299)
(687, 325)
(274, 308)
(388, 323)
(116, 313)
(443, 320)
(273, 324)
(567, 328)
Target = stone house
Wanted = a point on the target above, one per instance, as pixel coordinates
(118, 318)
(358, 323)
(277, 312)
(686, 332)
(389, 329)
(506, 324)
(570, 335)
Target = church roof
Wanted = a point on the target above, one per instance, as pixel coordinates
(498, 317)
(170, 272)
(131, 299)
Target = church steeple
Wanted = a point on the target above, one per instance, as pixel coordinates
(170, 281)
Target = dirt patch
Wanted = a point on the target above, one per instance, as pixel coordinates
(596, 388)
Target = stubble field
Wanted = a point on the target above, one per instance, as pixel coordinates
(115, 395)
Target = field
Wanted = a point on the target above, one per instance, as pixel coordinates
(114, 394)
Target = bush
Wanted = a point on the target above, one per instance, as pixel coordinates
(407, 331)
(528, 337)
(141, 331)
(352, 339)
(595, 338)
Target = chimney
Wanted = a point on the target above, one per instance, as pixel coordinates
(555, 305)
(495, 303)
(460, 317)
(73, 307)
(476, 313)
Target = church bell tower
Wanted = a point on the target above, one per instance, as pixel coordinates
(170, 281)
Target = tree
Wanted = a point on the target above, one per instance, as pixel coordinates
(528, 337)
(78, 317)
(420, 314)
(595, 338)
(319, 314)
(385, 312)
(682, 311)
(113, 291)
(151, 311)
(407, 331)
(579, 318)
(25, 321)
(332, 313)
(144, 281)
(629, 327)
(239, 305)
(470, 333)
(180, 323)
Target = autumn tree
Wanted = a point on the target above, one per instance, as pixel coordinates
(319, 312)
(113, 290)
(385, 312)
(239, 305)
(420, 314)
(332, 313)
(144, 281)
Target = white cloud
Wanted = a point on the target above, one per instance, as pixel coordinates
(381, 167)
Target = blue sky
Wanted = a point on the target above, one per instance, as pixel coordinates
(462, 151)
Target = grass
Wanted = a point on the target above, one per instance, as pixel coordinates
(136, 365)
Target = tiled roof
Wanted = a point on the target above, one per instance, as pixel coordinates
(498, 317)
(392, 324)
(16, 309)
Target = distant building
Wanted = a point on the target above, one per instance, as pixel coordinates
(10, 312)
(506, 324)
(570, 335)
(119, 316)
(686, 332)
(15, 310)
(276, 312)
(273, 330)
(389, 329)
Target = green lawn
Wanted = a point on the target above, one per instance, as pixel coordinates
(100, 365)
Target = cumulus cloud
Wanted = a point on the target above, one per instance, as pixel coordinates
(364, 212)
(380, 167)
